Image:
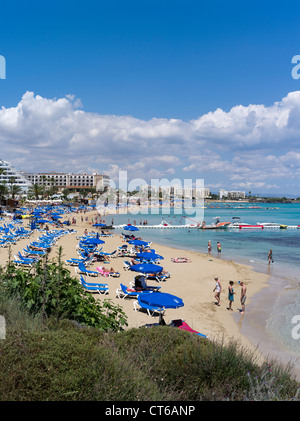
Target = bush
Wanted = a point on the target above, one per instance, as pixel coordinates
(66, 362)
(49, 289)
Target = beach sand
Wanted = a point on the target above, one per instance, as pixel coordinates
(193, 282)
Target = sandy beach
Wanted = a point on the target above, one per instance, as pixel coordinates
(193, 282)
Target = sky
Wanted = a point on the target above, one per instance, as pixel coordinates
(181, 89)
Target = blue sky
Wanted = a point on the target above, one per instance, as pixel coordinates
(135, 85)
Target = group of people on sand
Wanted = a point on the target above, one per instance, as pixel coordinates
(218, 289)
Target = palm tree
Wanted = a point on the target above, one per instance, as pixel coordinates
(3, 187)
(14, 190)
(35, 190)
(3, 190)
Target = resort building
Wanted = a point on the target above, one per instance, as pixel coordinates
(69, 180)
(176, 191)
(11, 177)
(231, 194)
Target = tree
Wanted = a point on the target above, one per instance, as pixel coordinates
(15, 190)
(35, 190)
(3, 190)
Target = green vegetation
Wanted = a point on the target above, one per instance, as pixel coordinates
(49, 289)
(61, 345)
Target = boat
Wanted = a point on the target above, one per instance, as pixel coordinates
(214, 225)
(272, 225)
(269, 224)
(248, 226)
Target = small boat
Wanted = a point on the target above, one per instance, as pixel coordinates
(215, 225)
(248, 226)
(269, 224)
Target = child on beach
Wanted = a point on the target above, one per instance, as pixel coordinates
(219, 247)
(230, 295)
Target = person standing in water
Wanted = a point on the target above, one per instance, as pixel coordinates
(243, 296)
(270, 257)
(209, 247)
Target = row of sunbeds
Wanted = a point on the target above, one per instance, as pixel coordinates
(11, 233)
(36, 250)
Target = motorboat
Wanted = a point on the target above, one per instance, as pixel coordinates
(269, 224)
(272, 225)
(250, 226)
(214, 225)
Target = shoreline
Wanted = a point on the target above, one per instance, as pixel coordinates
(193, 282)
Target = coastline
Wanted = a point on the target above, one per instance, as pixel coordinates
(193, 282)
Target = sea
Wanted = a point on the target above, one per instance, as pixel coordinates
(272, 318)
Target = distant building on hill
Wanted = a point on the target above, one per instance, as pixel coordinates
(69, 180)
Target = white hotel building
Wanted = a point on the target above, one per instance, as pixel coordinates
(12, 176)
(69, 180)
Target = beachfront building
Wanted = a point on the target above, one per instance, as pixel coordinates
(69, 180)
(176, 191)
(10, 177)
(233, 195)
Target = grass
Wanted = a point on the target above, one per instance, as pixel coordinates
(66, 362)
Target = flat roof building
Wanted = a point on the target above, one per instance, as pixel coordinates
(69, 180)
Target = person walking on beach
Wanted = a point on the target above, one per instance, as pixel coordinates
(243, 296)
(217, 290)
(230, 295)
(209, 247)
(270, 257)
(219, 247)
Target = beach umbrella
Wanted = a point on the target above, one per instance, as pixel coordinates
(93, 241)
(99, 225)
(138, 243)
(131, 228)
(149, 256)
(161, 299)
(43, 221)
(146, 268)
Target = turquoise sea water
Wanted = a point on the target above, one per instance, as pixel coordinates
(247, 245)
(269, 316)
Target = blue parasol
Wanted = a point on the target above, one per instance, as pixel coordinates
(93, 241)
(149, 256)
(161, 299)
(146, 268)
(138, 242)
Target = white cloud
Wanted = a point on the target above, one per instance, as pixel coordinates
(255, 144)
